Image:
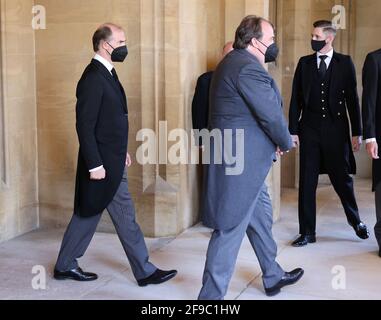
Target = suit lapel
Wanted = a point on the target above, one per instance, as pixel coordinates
(335, 65)
(124, 98)
(311, 71)
(116, 85)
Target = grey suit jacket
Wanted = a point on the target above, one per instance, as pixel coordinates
(242, 96)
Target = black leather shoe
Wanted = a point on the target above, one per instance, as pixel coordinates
(75, 274)
(303, 240)
(361, 231)
(288, 279)
(159, 276)
(379, 253)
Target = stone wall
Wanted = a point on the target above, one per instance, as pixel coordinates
(18, 181)
(171, 42)
(168, 50)
(170, 46)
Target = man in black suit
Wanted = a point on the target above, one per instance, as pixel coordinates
(324, 89)
(200, 103)
(371, 107)
(101, 183)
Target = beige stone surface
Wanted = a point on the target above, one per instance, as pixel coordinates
(19, 191)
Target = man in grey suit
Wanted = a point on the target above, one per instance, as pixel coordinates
(243, 96)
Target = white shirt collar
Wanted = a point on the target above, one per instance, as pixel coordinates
(328, 54)
(102, 60)
(327, 60)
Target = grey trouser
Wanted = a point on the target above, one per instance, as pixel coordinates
(81, 230)
(377, 228)
(224, 247)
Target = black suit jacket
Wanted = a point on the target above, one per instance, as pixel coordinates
(371, 105)
(200, 103)
(102, 128)
(343, 97)
(343, 91)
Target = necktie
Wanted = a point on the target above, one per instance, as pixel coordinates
(323, 66)
(114, 75)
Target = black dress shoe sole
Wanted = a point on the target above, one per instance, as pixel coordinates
(272, 293)
(363, 236)
(158, 281)
(362, 233)
(61, 278)
(299, 245)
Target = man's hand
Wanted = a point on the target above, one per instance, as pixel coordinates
(98, 175)
(279, 153)
(372, 149)
(356, 143)
(128, 160)
(296, 141)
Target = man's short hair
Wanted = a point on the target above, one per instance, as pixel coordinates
(327, 26)
(103, 33)
(250, 27)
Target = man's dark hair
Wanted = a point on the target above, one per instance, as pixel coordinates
(103, 33)
(327, 26)
(250, 27)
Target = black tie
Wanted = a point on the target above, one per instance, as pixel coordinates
(114, 75)
(323, 67)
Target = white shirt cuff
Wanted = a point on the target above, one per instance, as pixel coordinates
(96, 169)
(371, 140)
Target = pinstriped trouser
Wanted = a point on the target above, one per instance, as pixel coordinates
(377, 228)
(224, 247)
(81, 230)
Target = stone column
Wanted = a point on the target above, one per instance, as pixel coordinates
(294, 24)
(173, 55)
(18, 121)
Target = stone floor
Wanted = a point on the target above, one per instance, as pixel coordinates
(337, 246)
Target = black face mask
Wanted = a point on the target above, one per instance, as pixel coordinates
(271, 53)
(318, 45)
(119, 54)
